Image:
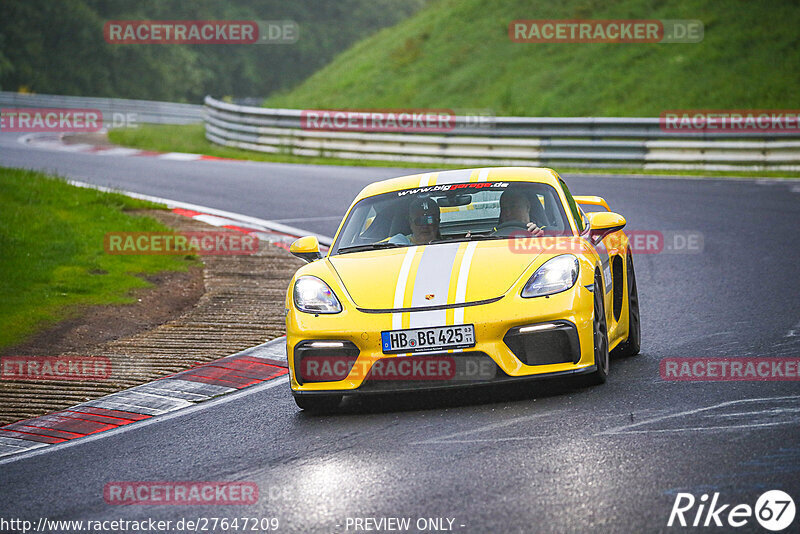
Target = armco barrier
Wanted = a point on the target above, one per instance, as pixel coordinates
(599, 142)
(140, 111)
(607, 142)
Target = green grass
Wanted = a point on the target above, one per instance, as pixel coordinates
(52, 256)
(456, 54)
(191, 139)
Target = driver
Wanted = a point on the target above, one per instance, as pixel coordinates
(423, 218)
(515, 212)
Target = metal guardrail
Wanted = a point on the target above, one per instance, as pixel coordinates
(141, 111)
(607, 142)
(542, 141)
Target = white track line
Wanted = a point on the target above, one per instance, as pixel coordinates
(625, 429)
(621, 430)
(485, 428)
(794, 332)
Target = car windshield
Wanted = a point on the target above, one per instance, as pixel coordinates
(454, 212)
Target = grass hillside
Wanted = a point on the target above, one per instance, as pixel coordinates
(456, 54)
(53, 259)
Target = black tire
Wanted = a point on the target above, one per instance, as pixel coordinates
(599, 335)
(632, 345)
(318, 403)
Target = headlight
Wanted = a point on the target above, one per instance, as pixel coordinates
(312, 295)
(554, 276)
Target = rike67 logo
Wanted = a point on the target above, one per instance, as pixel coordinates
(774, 510)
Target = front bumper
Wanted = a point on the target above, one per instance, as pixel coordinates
(506, 349)
(374, 387)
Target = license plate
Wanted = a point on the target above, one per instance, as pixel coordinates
(428, 339)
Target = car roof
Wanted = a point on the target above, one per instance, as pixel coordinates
(486, 174)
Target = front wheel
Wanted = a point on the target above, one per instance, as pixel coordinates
(600, 335)
(318, 403)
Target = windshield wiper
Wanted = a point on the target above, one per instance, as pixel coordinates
(474, 237)
(371, 246)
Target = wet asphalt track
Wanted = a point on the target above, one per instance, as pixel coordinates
(547, 457)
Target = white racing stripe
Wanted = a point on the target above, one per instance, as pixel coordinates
(432, 284)
(461, 286)
(400, 289)
(426, 179)
(454, 177)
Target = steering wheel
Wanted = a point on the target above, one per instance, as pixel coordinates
(509, 227)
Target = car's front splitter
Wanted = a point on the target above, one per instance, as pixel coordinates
(377, 387)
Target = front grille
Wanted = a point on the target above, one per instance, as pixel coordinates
(558, 344)
(462, 369)
(315, 361)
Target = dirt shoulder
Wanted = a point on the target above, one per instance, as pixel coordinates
(174, 293)
(234, 302)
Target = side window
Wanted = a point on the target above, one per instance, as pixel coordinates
(573, 207)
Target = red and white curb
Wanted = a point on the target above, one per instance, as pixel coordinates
(250, 367)
(280, 239)
(55, 141)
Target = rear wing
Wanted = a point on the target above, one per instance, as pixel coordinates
(592, 201)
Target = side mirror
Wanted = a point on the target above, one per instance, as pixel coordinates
(602, 223)
(306, 248)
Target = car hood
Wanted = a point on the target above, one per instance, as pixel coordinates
(432, 275)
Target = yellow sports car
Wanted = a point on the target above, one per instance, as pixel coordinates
(464, 277)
